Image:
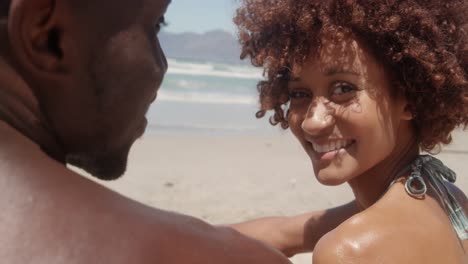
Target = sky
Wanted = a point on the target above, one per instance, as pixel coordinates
(200, 15)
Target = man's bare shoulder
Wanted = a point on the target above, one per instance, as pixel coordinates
(51, 214)
(104, 227)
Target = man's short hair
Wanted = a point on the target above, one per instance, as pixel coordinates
(4, 7)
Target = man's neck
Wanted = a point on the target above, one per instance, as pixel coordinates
(20, 109)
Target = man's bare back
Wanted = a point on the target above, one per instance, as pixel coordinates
(52, 215)
(74, 88)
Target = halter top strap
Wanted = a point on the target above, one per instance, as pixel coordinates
(427, 169)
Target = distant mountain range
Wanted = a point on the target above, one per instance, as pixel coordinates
(217, 46)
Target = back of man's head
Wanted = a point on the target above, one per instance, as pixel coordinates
(94, 67)
(4, 7)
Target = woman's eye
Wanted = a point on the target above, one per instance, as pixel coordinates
(161, 23)
(342, 88)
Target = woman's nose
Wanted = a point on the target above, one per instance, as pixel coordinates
(319, 118)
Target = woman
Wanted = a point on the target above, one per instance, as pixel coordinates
(365, 86)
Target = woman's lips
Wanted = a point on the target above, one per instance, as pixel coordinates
(332, 145)
(330, 149)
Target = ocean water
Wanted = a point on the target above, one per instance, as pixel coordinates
(207, 97)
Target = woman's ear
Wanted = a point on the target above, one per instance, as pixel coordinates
(407, 113)
(35, 36)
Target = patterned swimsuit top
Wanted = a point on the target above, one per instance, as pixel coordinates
(429, 170)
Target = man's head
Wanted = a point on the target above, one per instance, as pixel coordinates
(95, 67)
(4, 7)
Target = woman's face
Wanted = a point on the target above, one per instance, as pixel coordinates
(343, 114)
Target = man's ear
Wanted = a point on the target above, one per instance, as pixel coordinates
(36, 36)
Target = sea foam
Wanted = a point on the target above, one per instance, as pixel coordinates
(213, 69)
(206, 98)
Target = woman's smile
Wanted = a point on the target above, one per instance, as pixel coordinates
(326, 151)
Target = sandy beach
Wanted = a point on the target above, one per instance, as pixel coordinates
(234, 177)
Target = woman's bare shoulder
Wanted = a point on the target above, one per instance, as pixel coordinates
(357, 240)
(391, 231)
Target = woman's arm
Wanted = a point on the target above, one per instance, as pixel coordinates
(297, 234)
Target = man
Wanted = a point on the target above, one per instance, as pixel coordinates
(76, 79)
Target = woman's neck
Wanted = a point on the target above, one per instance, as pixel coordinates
(370, 186)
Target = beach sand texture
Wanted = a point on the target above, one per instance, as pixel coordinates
(231, 178)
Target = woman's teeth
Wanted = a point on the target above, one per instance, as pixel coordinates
(332, 146)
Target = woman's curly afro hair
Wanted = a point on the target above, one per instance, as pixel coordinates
(423, 44)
